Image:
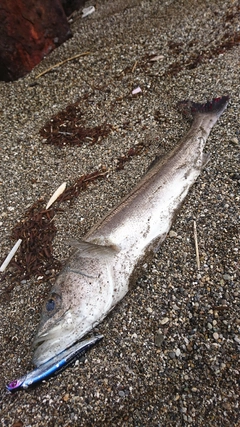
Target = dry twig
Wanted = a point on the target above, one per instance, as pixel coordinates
(134, 66)
(196, 244)
(61, 63)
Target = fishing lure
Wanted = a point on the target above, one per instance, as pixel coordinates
(54, 365)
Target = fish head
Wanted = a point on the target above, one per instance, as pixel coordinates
(76, 303)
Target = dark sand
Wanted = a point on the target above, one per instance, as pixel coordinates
(192, 377)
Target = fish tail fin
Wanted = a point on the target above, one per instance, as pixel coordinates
(214, 107)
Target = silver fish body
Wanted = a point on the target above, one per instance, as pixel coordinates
(99, 273)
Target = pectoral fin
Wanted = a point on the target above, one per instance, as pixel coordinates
(92, 250)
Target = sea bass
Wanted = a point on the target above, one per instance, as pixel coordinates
(98, 274)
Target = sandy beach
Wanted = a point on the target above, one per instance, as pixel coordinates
(170, 353)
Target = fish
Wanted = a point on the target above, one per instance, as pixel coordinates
(108, 260)
(53, 366)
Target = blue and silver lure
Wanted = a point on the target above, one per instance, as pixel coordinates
(54, 365)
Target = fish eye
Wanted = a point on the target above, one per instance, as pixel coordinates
(53, 302)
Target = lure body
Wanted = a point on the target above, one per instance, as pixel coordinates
(54, 365)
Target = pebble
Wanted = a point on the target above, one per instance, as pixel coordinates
(159, 338)
(172, 233)
(227, 277)
(237, 339)
(178, 352)
(121, 393)
(234, 140)
(164, 320)
(172, 354)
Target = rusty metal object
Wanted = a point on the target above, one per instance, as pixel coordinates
(30, 30)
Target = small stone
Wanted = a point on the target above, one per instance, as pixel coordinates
(227, 406)
(234, 140)
(227, 277)
(172, 354)
(224, 302)
(237, 339)
(66, 397)
(172, 233)
(178, 352)
(159, 338)
(215, 336)
(18, 424)
(121, 393)
(87, 11)
(164, 320)
(157, 58)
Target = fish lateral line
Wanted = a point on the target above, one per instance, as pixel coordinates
(74, 270)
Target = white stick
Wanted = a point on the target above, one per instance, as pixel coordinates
(10, 255)
(196, 243)
(55, 195)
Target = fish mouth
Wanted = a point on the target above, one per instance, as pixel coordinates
(57, 338)
(65, 326)
(51, 334)
(49, 342)
(48, 345)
